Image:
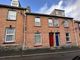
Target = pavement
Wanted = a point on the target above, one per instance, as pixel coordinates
(68, 55)
(48, 50)
(37, 51)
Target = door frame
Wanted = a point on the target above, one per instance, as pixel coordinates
(52, 40)
(58, 38)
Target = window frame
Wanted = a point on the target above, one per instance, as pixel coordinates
(11, 19)
(56, 20)
(6, 34)
(68, 37)
(38, 43)
(39, 23)
(49, 23)
(66, 22)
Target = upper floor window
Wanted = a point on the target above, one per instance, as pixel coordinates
(66, 24)
(37, 21)
(10, 35)
(68, 37)
(60, 13)
(38, 38)
(50, 22)
(56, 23)
(12, 15)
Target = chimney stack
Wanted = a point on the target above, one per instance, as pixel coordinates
(15, 3)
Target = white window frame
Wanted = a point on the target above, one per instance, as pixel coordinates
(63, 13)
(50, 22)
(37, 23)
(57, 13)
(66, 24)
(13, 34)
(10, 16)
(56, 23)
(68, 37)
(39, 43)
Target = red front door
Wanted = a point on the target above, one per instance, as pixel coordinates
(51, 39)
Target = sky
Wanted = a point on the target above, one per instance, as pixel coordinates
(71, 7)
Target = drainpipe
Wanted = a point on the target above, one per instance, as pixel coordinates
(24, 40)
(75, 33)
(28, 10)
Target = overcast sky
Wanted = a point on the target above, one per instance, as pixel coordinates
(71, 7)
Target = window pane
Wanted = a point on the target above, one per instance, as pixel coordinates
(67, 34)
(9, 37)
(37, 38)
(67, 37)
(50, 22)
(37, 21)
(56, 23)
(65, 23)
(12, 15)
(10, 31)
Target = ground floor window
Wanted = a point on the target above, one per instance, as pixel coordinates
(10, 35)
(68, 37)
(38, 40)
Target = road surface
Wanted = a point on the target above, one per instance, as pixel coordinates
(59, 56)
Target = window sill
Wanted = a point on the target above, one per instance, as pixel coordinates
(37, 45)
(66, 27)
(68, 42)
(10, 20)
(50, 26)
(37, 26)
(56, 27)
(8, 42)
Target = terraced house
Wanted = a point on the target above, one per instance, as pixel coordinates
(20, 27)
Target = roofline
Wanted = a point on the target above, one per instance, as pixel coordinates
(38, 14)
(13, 7)
(77, 21)
(59, 9)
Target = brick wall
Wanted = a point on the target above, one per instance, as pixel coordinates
(77, 32)
(18, 24)
(45, 29)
